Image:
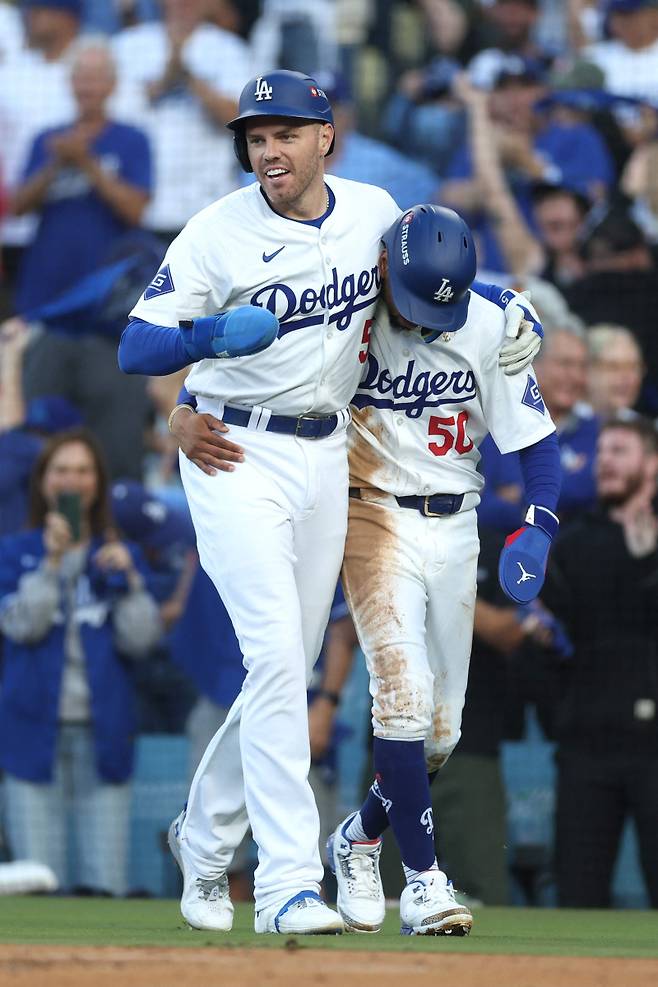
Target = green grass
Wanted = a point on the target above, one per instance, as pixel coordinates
(84, 922)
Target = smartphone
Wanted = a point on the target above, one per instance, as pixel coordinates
(68, 504)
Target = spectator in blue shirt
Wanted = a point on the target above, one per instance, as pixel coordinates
(506, 132)
(89, 182)
(74, 605)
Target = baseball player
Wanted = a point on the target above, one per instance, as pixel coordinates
(295, 255)
(427, 399)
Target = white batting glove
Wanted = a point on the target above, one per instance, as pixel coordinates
(525, 332)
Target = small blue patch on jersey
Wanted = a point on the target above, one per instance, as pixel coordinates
(162, 284)
(532, 396)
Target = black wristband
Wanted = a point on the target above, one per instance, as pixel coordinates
(333, 697)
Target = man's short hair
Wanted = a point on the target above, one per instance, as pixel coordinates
(644, 428)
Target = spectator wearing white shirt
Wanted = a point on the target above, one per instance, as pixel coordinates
(190, 75)
(629, 58)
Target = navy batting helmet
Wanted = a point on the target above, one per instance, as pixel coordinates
(278, 94)
(431, 266)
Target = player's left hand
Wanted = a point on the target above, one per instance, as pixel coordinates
(525, 332)
(522, 565)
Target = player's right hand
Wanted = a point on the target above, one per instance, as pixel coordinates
(201, 438)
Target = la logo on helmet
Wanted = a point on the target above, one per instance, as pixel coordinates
(263, 91)
(445, 292)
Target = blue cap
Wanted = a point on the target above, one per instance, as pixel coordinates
(149, 520)
(73, 7)
(431, 266)
(51, 414)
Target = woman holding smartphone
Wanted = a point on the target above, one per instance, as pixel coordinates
(73, 607)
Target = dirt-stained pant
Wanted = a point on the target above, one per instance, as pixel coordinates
(410, 583)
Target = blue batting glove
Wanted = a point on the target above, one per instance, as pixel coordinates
(522, 565)
(241, 332)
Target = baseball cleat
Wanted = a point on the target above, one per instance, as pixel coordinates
(428, 907)
(305, 914)
(205, 902)
(360, 899)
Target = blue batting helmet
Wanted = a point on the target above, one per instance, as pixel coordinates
(431, 266)
(278, 94)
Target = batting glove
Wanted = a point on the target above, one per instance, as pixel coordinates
(525, 332)
(522, 565)
(241, 332)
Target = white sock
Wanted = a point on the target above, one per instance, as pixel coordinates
(412, 875)
(355, 831)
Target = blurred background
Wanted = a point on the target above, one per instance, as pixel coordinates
(535, 119)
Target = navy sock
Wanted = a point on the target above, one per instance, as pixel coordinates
(403, 791)
(374, 819)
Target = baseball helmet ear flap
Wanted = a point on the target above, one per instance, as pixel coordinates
(240, 149)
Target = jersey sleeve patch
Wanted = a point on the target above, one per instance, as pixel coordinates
(532, 396)
(162, 284)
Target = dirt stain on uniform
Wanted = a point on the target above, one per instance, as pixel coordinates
(369, 568)
(364, 437)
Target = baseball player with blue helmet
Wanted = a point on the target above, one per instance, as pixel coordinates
(270, 293)
(431, 390)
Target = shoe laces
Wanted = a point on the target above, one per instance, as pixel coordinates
(362, 875)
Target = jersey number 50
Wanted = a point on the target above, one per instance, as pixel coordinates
(452, 433)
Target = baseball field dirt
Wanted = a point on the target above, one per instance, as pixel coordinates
(60, 942)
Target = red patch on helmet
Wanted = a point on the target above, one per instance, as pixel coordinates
(407, 219)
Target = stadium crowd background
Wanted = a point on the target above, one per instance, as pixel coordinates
(537, 120)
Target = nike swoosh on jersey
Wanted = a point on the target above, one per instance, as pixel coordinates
(268, 257)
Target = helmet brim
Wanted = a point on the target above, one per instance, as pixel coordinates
(445, 316)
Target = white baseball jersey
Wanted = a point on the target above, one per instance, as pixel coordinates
(422, 409)
(321, 283)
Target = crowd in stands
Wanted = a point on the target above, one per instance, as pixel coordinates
(537, 120)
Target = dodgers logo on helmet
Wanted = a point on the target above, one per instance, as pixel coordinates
(263, 91)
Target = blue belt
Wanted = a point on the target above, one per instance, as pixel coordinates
(435, 505)
(304, 427)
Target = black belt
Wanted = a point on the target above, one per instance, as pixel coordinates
(435, 505)
(304, 427)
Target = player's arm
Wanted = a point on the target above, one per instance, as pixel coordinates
(200, 437)
(522, 565)
(146, 348)
(523, 328)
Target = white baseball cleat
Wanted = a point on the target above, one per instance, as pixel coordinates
(428, 907)
(360, 899)
(205, 903)
(305, 914)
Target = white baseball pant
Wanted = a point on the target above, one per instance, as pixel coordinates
(410, 583)
(270, 535)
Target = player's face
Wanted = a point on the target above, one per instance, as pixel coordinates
(287, 157)
(621, 465)
(398, 320)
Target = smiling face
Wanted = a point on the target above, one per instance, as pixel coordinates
(288, 160)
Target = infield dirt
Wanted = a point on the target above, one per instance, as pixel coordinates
(108, 966)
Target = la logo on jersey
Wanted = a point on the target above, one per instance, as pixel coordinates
(263, 91)
(532, 396)
(445, 292)
(162, 284)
